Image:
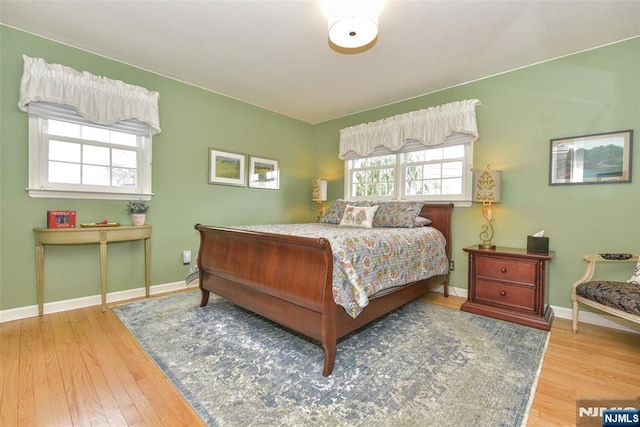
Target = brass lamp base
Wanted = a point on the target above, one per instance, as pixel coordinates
(486, 246)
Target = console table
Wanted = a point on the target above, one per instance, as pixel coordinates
(91, 235)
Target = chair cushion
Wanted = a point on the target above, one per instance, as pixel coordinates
(621, 296)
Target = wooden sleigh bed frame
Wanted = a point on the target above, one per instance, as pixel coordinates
(288, 279)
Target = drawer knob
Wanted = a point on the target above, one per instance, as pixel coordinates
(503, 293)
(503, 270)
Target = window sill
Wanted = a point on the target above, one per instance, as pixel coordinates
(41, 193)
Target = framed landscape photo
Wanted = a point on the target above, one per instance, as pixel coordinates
(227, 168)
(602, 158)
(264, 173)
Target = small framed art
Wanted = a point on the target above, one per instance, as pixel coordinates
(264, 173)
(227, 168)
(602, 158)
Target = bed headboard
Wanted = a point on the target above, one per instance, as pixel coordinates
(440, 216)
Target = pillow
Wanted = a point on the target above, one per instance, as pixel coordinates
(334, 214)
(358, 216)
(635, 278)
(397, 214)
(421, 221)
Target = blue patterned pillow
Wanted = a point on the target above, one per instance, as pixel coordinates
(397, 214)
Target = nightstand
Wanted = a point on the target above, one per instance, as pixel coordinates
(509, 284)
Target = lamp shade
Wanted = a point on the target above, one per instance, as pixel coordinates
(319, 190)
(487, 186)
(352, 23)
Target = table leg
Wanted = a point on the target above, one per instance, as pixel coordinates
(147, 264)
(103, 269)
(40, 277)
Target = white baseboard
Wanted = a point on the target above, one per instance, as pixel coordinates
(58, 306)
(71, 304)
(598, 319)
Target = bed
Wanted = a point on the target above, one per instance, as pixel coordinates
(289, 279)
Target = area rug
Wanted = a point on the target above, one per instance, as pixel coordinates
(422, 365)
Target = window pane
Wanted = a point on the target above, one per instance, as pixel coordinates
(95, 134)
(451, 169)
(64, 173)
(124, 177)
(433, 171)
(125, 158)
(452, 186)
(454, 152)
(433, 154)
(122, 138)
(95, 155)
(55, 127)
(374, 161)
(95, 175)
(64, 151)
(416, 156)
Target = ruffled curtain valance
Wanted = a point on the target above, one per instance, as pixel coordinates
(431, 126)
(98, 99)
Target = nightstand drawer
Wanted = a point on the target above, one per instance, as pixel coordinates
(517, 271)
(500, 293)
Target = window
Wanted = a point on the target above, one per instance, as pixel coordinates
(442, 173)
(89, 136)
(72, 157)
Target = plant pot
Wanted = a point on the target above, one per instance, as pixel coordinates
(138, 219)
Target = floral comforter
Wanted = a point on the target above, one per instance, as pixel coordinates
(367, 261)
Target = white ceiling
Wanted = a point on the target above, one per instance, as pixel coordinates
(276, 55)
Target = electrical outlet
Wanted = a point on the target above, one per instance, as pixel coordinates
(186, 257)
(452, 265)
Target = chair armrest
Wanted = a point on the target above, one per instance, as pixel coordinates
(594, 259)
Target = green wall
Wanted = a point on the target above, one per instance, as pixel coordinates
(591, 92)
(192, 120)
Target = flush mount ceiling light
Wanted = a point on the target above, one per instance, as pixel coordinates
(352, 23)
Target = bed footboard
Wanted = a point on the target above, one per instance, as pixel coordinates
(289, 280)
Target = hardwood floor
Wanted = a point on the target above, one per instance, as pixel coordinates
(83, 368)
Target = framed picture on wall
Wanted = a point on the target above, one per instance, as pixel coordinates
(227, 168)
(264, 173)
(602, 158)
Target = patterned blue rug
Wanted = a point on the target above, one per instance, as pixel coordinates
(421, 365)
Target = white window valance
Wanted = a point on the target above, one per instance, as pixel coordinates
(428, 127)
(98, 99)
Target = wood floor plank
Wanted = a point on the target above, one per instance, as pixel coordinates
(10, 358)
(55, 387)
(106, 409)
(26, 380)
(118, 374)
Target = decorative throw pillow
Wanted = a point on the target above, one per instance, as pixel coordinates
(397, 214)
(358, 216)
(421, 221)
(635, 278)
(334, 214)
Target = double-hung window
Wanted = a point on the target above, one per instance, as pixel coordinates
(440, 173)
(72, 157)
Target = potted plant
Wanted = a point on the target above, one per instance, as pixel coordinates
(138, 210)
